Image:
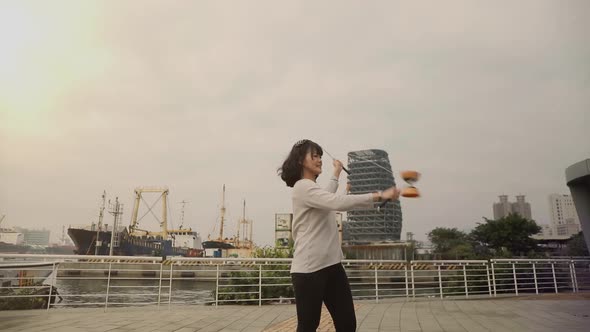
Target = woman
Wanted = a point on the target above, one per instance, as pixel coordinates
(316, 271)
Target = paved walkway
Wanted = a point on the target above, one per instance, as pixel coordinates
(539, 313)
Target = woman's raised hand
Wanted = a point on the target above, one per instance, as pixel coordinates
(390, 194)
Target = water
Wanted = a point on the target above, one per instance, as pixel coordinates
(91, 292)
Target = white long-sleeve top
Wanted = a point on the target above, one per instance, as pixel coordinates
(315, 230)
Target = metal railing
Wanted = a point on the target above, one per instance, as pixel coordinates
(103, 281)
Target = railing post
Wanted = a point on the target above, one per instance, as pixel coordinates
(572, 276)
(406, 277)
(440, 283)
(554, 278)
(106, 301)
(376, 286)
(54, 273)
(488, 278)
(217, 286)
(160, 284)
(535, 276)
(575, 276)
(413, 285)
(494, 279)
(260, 285)
(465, 279)
(515, 280)
(170, 278)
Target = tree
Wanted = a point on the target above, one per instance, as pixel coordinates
(450, 243)
(576, 246)
(511, 233)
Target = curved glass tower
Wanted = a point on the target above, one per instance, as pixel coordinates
(370, 171)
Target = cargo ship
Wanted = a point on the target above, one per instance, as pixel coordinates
(98, 239)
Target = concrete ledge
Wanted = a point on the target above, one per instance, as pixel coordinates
(577, 177)
(577, 172)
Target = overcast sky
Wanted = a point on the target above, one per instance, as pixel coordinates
(483, 97)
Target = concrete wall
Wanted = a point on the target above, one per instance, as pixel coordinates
(578, 180)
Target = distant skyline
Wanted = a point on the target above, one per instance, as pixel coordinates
(483, 98)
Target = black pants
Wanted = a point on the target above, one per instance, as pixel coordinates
(330, 286)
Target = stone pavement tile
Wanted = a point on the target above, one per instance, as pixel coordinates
(566, 312)
(426, 318)
(571, 314)
(391, 317)
(498, 314)
(254, 329)
(174, 327)
(21, 328)
(290, 324)
(283, 316)
(139, 329)
(446, 321)
(373, 316)
(494, 317)
(525, 317)
(449, 315)
(212, 328)
(200, 324)
(259, 318)
(535, 311)
(164, 327)
(462, 318)
(69, 329)
(408, 317)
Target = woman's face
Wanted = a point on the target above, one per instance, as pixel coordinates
(312, 164)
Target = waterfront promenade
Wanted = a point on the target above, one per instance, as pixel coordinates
(567, 312)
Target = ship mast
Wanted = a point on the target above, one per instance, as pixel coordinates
(222, 214)
(240, 222)
(116, 210)
(100, 216)
(245, 228)
(182, 214)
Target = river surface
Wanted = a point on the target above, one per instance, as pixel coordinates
(90, 293)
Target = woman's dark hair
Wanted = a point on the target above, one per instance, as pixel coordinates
(292, 169)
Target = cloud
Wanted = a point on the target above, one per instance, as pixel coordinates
(483, 98)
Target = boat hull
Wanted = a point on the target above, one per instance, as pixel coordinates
(85, 242)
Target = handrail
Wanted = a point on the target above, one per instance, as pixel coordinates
(132, 280)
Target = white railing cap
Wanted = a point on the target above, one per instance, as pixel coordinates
(80, 257)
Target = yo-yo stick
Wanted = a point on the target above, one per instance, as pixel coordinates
(343, 168)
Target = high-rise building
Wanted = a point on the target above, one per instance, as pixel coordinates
(562, 210)
(504, 207)
(564, 218)
(522, 208)
(370, 171)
